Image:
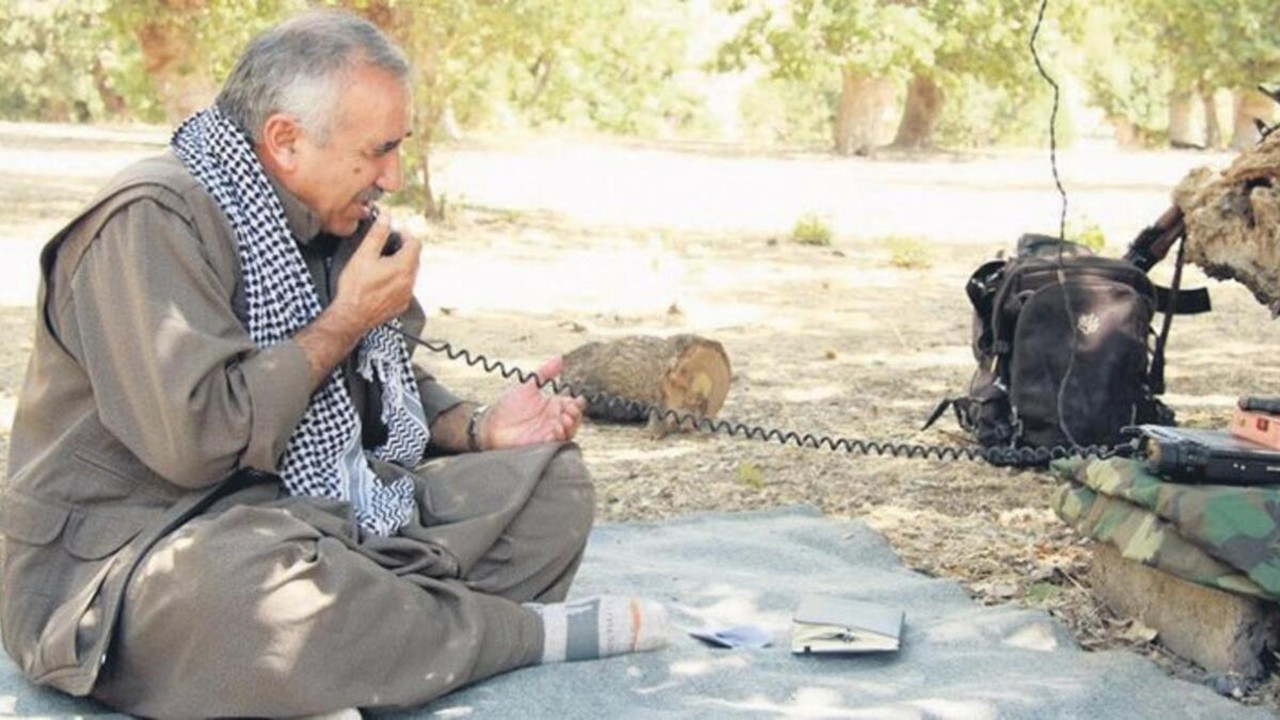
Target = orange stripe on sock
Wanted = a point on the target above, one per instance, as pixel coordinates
(636, 618)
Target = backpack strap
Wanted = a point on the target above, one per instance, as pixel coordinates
(981, 290)
(1182, 302)
(953, 403)
(1156, 376)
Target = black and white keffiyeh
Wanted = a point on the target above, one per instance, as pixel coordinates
(324, 457)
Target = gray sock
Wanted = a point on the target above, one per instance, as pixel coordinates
(600, 626)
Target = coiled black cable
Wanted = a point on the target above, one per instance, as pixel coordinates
(1024, 456)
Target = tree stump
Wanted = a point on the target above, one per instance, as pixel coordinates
(1233, 220)
(685, 373)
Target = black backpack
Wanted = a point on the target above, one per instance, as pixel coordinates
(1065, 348)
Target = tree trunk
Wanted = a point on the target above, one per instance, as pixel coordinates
(541, 69)
(920, 116)
(1233, 220)
(422, 162)
(1181, 130)
(684, 373)
(1127, 134)
(1212, 128)
(1248, 106)
(113, 101)
(182, 82)
(860, 117)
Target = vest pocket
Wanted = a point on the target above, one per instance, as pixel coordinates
(32, 563)
(93, 536)
(58, 559)
(31, 521)
(89, 535)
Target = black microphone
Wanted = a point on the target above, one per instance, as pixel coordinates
(393, 244)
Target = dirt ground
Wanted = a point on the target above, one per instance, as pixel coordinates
(551, 243)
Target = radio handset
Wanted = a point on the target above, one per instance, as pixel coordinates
(393, 244)
(394, 241)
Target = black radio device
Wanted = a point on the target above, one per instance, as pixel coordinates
(1214, 457)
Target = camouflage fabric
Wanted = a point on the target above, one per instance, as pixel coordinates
(1227, 537)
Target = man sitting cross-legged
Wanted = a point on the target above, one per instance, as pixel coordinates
(220, 501)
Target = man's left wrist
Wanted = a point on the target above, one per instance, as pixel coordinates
(475, 441)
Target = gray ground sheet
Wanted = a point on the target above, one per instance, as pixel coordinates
(958, 659)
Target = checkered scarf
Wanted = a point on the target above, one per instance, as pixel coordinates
(324, 457)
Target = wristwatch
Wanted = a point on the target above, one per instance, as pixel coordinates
(473, 439)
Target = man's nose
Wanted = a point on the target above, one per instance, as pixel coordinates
(390, 179)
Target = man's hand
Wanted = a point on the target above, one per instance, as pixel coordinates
(524, 415)
(372, 289)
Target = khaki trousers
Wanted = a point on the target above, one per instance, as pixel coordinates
(269, 606)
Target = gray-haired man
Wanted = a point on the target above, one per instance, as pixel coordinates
(218, 503)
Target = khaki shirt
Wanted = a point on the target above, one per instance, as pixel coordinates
(143, 397)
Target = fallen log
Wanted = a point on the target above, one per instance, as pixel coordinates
(1220, 631)
(685, 373)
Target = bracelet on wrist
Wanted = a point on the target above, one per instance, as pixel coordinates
(473, 437)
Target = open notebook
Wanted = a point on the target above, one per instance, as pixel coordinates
(825, 624)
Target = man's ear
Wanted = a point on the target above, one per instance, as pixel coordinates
(278, 143)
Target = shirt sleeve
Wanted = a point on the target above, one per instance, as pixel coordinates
(176, 376)
(436, 398)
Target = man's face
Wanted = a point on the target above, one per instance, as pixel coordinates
(341, 179)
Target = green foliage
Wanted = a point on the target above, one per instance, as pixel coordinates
(986, 40)
(454, 46)
(57, 60)
(1087, 233)
(84, 59)
(994, 93)
(1166, 46)
(811, 229)
(909, 253)
(1125, 71)
(580, 67)
(1223, 43)
(749, 474)
(981, 115)
(808, 38)
(787, 111)
(553, 61)
(599, 64)
(1040, 593)
(213, 32)
(960, 45)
